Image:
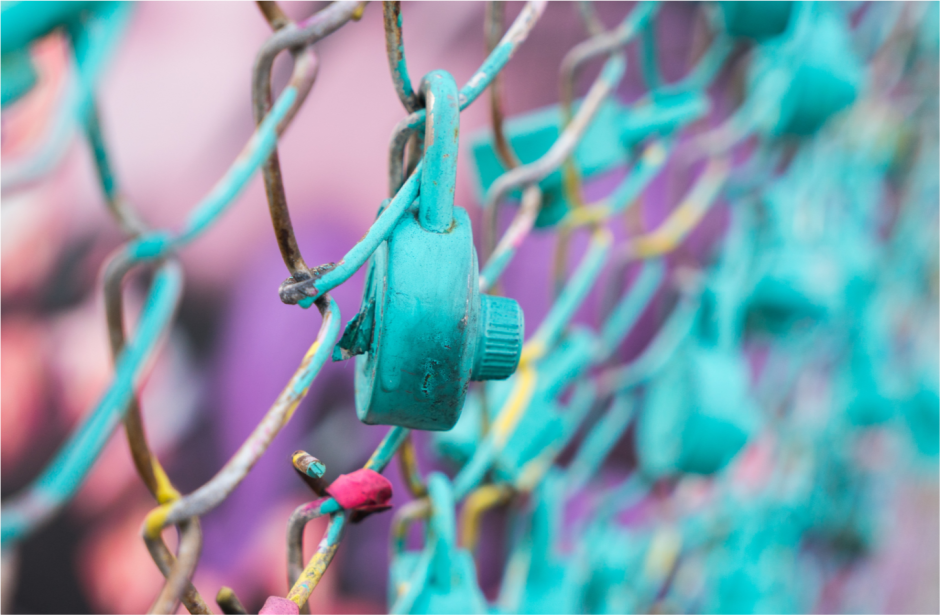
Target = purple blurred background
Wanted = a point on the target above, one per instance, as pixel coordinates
(176, 109)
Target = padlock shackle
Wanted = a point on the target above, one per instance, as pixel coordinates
(441, 135)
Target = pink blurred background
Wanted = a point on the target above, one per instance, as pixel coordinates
(176, 110)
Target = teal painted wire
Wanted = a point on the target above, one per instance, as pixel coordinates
(648, 63)
(673, 332)
(495, 61)
(212, 493)
(378, 232)
(259, 147)
(639, 177)
(600, 441)
(436, 559)
(387, 448)
(573, 295)
(582, 401)
(417, 582)
(475, 470)
(66, 472)
(630, 307)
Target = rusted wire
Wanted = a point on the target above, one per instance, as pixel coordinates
(493, 30)
(408, 463)
(273, 13)
(277, 199)
(589, 19)
(147, 465)
(395, 50)
(295, 533)
(556, 155)
(115, 271)
(126, 217)
(515, 234)
(221, 485)
(298, 38)
(295, 537)
(601, 43)
(483, 77)
(229, 602)
(309, 577)
(179, 570)
(310, 469)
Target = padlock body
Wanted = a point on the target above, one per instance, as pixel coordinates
(756, 20)
(698, 415)
(823, 72)
(463, 595)
(424, 288)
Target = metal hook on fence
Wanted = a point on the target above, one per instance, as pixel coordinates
(309, 577)
(362, 491)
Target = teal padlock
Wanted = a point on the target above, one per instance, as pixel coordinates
(870, 382)
(822, 72)
(551, 582)
(424, 330)
(922, 414)
(796, 293)
(756, 20)
(805, 284)
(442, 578)
(19, 76)
(544, 422)
(612, 555)
(838, 509)
(697, 414)
(752, 567)
(601, 149)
